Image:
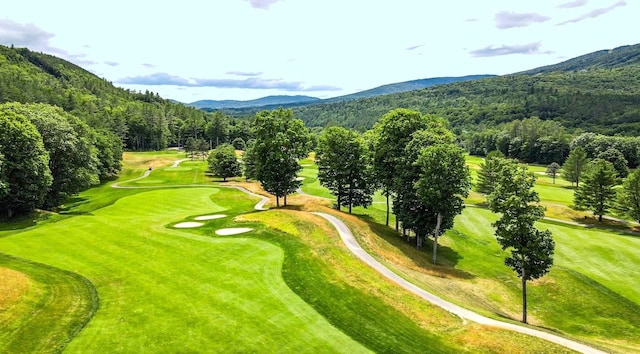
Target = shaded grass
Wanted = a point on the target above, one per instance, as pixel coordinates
(53, 308)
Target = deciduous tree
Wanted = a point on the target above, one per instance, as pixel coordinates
(223, 162)
(280, 141)
(70, 144)
(531, 250)
(552, 170)
(25, 170)
(444, 183)
(343, 168)
(393, 133)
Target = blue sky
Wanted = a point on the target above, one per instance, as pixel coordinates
(245, 49)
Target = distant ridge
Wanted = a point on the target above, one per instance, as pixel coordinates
(404, 87)
(296, 101)
(602, 59)
(264, 101)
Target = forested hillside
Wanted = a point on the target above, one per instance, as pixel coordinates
(142, 121)
(63, 129)
(602, 97)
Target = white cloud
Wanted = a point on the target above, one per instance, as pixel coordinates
(505, 19)
(528, 49)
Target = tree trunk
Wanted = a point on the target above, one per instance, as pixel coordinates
(600, 218)
(524, 295)
(436, 232)
(285, 200)
(277, 201)
(387, 221)
(397, 226)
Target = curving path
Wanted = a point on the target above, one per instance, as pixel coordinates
(354, 247)
(352, 244)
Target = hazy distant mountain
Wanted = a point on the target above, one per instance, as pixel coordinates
(602, 59)
(271, 102)
(264, 101)
(404, 87)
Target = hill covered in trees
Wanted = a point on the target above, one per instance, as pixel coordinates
(597, 92)
(142, 121)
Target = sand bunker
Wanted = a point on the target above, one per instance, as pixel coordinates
(210, 217)
(233, 231)
(188, 224)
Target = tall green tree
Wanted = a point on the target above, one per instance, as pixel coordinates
(280, 141)
(618, 161)
(531, 250)
(249, 161)
(217, 129)
(628, 202)
(70, 143)
(25, 170)
(596, 191)
(410, 210)
(223, 162)
(444, 183)
(552, 170)
(489, 170)
(574, 165)
(393, 133)
(109, 154)
(343, 167)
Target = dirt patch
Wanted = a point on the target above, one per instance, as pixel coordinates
(187, 225)
(210, 217)
(13, 285)
(233, 231)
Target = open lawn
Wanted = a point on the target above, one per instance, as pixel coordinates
(112, 269)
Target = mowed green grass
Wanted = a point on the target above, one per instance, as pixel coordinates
(592, 292)
(166, 290)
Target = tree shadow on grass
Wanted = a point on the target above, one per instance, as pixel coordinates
(447, 258)
(73, 203)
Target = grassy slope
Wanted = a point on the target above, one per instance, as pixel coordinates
(163, 289)
(168, 290)
(63, 301)
(591, 292)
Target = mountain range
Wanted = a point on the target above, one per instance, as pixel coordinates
(289, 101)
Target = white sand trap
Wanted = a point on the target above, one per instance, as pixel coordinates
(233, 231)
(210, 217)
(188, 224)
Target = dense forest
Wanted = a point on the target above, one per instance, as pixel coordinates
(539, 116)
(141, 120)
(598, 92)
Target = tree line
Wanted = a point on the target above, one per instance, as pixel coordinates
(47, 155)
(142, 120)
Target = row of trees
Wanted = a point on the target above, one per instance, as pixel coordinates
(414, 160)
(596, 182)
(48, 155)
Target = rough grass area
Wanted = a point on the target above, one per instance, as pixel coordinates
(591, 293)
(41, 308)
(365, 305)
